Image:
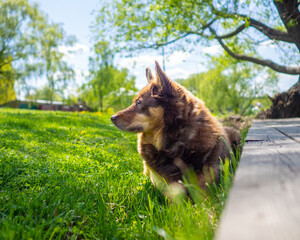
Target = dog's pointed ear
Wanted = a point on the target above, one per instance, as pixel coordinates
(149, 75)
(162, 81)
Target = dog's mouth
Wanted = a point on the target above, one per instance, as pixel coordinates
(125, 127)
(135, 129)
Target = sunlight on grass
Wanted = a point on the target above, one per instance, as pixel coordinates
(74, 175)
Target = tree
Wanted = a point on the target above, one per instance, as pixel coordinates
(18, 42)
(124, 91)
(101, 70)
(43, 94)
(57, 71)
(7, 92)
(231, 86)
(108, 86)
(117, 94)
(32, 45)
(239, 27)
(152, 24)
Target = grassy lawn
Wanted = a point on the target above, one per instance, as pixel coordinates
(75, 176)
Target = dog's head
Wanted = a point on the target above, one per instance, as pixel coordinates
(147, 111)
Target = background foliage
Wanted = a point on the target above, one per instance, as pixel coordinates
(231, 86)
(32, 47)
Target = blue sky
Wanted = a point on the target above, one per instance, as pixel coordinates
(76, 17)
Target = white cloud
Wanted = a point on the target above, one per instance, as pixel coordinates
(147, 60)
(212, 50)
(141, 61)
(137, 65)
(77, 57)
(268, 43)
(177, 57)
(81, 76)
(286, 81)
(70, 51)
(77, 47)
(177, 72)
(179, 64)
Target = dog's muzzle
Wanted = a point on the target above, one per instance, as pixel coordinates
(113, 118)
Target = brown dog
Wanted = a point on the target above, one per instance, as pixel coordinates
(175, 131)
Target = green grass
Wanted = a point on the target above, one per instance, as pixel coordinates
(75, 176)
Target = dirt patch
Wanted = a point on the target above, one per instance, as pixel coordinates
(284, 105)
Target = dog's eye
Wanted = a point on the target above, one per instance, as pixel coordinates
(138, 102)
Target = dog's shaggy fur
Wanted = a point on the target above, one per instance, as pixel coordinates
(175, 131)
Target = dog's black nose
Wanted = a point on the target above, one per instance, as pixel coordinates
(113, 118)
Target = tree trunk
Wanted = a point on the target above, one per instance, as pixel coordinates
(287, 104)
(51, 90)
(284, 105)
(290, 16)
(101, 101)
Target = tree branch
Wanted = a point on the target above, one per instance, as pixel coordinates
(237, 31)
(208, 24)
(267, 63)
(269, 32)
(156, 45)
(266, 30)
